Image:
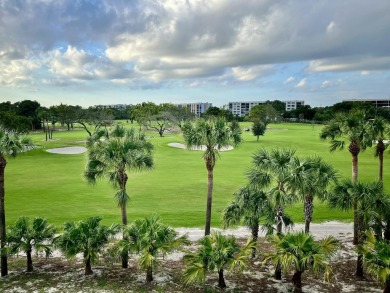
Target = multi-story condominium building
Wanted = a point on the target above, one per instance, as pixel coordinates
(378, 103)
(292, 105)
(196, 108)
(242, 108)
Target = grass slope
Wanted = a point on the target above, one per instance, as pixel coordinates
(51, 185)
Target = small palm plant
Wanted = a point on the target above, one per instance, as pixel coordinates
(26, 237)
(216, 252)
(148, 238)
(376, 259)
(300, 252)
(86, 237)
(249, 206)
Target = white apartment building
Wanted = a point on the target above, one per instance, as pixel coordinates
(196, 108)
(242, 108)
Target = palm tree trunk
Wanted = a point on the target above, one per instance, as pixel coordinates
(88, 268)
(355, 211)
(29, 261)
(4, 266)
(122, 184)
(255, 235)
(279, 219)
(386, 232)
(380, 156)
(387, 286)
(209, 199)
(221, 279)
(359, 263)
(278, 272)
(149, 275)
(308, 210)
(297, 281)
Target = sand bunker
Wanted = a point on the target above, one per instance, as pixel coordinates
(202, 148)
(68, 150)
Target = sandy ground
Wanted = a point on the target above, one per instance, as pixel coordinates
(202, 148)
(68, 150)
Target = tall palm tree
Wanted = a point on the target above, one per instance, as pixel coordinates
(365, 198)
(111, 155)
(25, 237)
(277, 170)
(87, 237)
(280, 171)
(214, 134)
(376, 259)
(300, 252)
(249, 205)
(148, 238)
(316, 177)
(379, 130)
(354, 128)
(11, 144)
(216, 252)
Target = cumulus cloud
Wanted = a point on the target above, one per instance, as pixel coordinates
(250, 73)
(17, 72)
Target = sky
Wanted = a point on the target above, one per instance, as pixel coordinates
(91, 52)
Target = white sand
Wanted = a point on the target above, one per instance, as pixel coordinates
(68, 150)
(202, 148)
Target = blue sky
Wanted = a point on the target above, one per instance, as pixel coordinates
(125, 52)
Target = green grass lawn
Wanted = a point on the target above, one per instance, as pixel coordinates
(39, 183)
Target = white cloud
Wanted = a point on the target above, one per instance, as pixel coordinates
(17, 72)
(301, 83)
(325, 83)
(288, 80)
(365, 72)
(250, 73)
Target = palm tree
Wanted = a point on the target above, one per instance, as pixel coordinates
(11, 144)
(111, 155)
(86, 237)
(366, 197)
(376, 259)
(353, 127)
(316, 177)
(216, 252)
(214, 134)
(379, 129)
(249, 205)
(25, 237)
(148, 238)
(279, 170)
(300, 252)
(276, 169)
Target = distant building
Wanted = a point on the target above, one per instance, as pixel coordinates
(113, 106)
(196, 108)
(378, 103)
(242, 108)
(292, 105)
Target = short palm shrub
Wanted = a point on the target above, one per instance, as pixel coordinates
(216, 253)
(376, 259)
(299, 251)
(87, 237)
(25, 237)
(149, 238)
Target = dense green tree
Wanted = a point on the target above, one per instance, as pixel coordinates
(149, 238)
(380, 130)
(258, 128)
(26, 237)
(28, 108)
(214, 134)
(161, 122)
(11, 144)
(352, 128)
(300, 252)
(123, 151)
(87, 237)
(216, 252)
(264, 112)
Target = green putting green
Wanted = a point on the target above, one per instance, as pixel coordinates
(51, 185)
